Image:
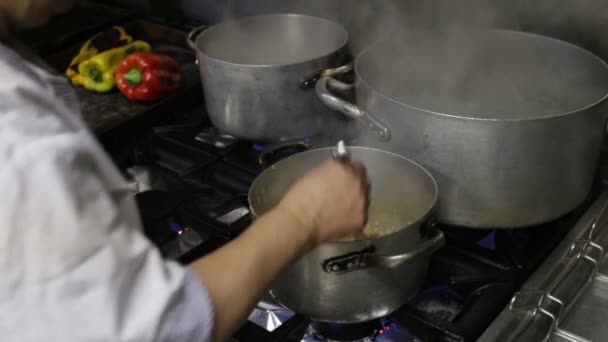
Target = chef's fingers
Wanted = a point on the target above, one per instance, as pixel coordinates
(359, 169)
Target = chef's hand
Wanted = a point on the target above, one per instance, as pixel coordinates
(331, 200)
(327, 203)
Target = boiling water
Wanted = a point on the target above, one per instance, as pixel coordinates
(495, 75)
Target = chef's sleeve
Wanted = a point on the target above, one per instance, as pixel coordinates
(75, 264)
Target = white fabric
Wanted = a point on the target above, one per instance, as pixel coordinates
(74, 265)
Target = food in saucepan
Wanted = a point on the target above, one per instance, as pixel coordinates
(383, 220)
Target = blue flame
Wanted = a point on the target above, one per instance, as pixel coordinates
(175, 227)
(260, 147)
(488, 241)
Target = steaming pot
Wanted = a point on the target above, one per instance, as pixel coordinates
(258, 74)
(509, 123)
(359, 280)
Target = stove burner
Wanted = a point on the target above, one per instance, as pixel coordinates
(273, 154)
(162, 224)
(156, 208)
(347, 331)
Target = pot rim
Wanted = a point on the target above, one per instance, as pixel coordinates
(469, 118)
(338, 26)
(423, 218)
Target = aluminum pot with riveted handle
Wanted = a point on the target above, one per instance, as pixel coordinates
(359, 278)
(509, 123)
(259, 72)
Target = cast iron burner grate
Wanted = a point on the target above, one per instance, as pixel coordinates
(365, 331)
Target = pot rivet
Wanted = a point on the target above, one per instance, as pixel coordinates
(335, 268)
(350, 265)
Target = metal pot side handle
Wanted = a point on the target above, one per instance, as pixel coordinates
(322, 88)
(428, 247)
(309, 81)
(368, 258)
(193, 34)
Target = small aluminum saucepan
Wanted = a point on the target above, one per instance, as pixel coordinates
(364, 278)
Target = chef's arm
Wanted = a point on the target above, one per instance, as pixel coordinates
(329, 202)
(237, 275)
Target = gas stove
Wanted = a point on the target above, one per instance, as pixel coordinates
(190, 182)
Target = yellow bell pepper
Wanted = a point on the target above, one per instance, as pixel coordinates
(111, 38)
(98, 71)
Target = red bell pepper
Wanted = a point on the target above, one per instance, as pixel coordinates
(147, 76)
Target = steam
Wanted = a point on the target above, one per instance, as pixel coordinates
(434, 62)
(366, 20)
(580, 22)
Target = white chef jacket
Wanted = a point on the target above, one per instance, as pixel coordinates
(74, 264)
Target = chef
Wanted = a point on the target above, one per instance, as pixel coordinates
(74, 264)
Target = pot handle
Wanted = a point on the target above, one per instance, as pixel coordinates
(309, 81)
(368, 257)
(349, 109)
(191, 37)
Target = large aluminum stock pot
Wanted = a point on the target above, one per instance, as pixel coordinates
(509, 123)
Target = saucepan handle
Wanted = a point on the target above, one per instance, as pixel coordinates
(340, 152)
(323, 92)
(191, 37)
(368, 257)
(310, 80)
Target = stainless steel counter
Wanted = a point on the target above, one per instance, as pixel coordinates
(588, 317)
(547, 308)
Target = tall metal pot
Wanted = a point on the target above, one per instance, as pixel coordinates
(509, 123)
(258, 73)
(359, 280)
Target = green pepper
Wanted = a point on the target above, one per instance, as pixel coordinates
(98, 71)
